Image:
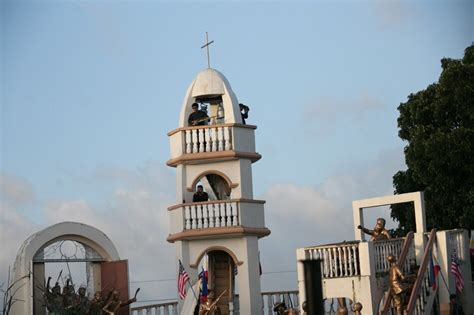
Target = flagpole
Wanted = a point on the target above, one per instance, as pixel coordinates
(441, 273)
(194, 293)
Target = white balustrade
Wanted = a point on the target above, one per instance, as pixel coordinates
(211, 214)
(208, 139)
(339, 260)
(170, 308)
(394, 247)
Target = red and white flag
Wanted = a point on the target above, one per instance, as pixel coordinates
(182, 279)
(456, 271)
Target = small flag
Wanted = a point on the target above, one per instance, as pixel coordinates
(204, 288)
(182, 279)
(456, 271)
(433, 273)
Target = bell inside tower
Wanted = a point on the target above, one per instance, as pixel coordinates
(212, 105)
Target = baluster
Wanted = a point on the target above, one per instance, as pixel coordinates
(167, 310)
(187, 217)
(339, 259)
(201, 140)
(211, 215)
(213, 139)
(188, 141)
(195, 140)
(323, 254)
(351, 260)
(270, 303)
(228, 142)
(218, 214)
(235, 214)
(207, 138)
(331, 263)
(346, 260)
(193, 216)
(205, 216)
(356, 260)
(199, 216)
(228, 214)
(148, 311)
(220, 139)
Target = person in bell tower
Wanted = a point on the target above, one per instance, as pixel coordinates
(200, 195)
(197, 117)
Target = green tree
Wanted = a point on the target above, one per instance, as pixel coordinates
(438, 124)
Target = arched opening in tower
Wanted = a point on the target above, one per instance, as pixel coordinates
(221, 271)
(213, 107)
(214, 186)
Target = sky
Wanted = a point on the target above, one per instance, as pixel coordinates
(89, 90)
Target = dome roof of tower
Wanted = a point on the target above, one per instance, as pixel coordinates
(209, 82)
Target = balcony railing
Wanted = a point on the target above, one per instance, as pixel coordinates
(394, 246)
(208, 139)
(211, 214)
(212, 141)
(170, 308)
(338, 260)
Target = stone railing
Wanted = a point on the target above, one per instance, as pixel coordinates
(218, 213)
(212, 142)
(208, 139)
(269, 299)
(338, 260)
(291, 299)
(170, 308)
(394, 246)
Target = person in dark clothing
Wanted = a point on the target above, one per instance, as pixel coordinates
(200, 195)
(244, 111)
(197, 117)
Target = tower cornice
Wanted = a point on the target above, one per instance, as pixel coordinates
(208, 157)
(222, 232)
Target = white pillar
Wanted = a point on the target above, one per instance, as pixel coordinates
(250, 298)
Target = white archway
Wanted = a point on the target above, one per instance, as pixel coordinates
(24, 269)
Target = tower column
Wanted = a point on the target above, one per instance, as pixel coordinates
(250, 297)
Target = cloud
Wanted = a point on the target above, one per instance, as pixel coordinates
(389, 13)
(327, 112)
(15, 190)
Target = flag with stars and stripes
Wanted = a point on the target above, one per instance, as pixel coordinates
(456, 271)
(182, 279)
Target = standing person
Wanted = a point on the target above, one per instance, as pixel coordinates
(200, 195)
(379, 233)
(197, 117)
(244, 111)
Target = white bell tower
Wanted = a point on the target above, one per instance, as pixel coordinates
(218, 156)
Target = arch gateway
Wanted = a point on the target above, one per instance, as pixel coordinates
(103, 265)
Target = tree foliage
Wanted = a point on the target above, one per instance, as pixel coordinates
(438, 124)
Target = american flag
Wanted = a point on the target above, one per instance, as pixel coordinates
(182, 279)
(456, 271)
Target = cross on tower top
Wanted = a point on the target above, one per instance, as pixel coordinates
(207, 46)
